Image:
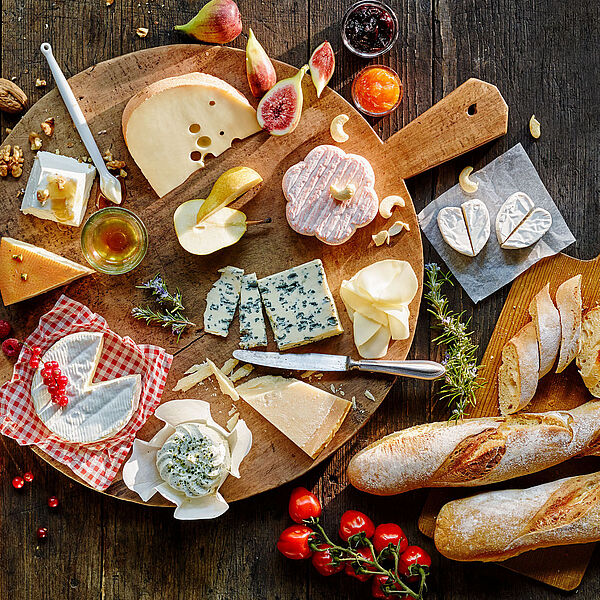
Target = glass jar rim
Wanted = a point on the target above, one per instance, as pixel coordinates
(389, 110)
(392, 41)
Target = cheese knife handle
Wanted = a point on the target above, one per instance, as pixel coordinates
(417, 369)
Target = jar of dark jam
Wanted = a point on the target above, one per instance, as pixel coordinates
(369, 28)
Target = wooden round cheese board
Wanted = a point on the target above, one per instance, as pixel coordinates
(472, 115)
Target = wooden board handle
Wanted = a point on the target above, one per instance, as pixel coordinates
(473, 114)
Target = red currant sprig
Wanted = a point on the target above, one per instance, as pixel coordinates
(52, 377)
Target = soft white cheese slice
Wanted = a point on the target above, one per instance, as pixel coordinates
(530, 230)
(453, 228)
(477, 219)
(47, 166)
(512, 213)
(96, 411)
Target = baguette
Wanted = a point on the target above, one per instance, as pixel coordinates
(546, 319)
(501, 524)
(518, 374)
(588, 359)
(475, 452)
(569, 303)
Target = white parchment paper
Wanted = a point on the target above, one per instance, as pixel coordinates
(494, 267)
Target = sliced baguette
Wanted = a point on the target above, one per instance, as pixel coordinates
(569, 303)
(546, 319)
(505, 523)
(518, 374)
(588, 359)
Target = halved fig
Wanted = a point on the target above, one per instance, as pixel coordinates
(259, 68)
(281, 107)
(322, 65)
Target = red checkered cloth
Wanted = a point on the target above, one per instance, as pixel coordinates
(98, 463)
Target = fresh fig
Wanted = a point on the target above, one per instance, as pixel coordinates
(322, 65)
(259, 68)
(218, 22)
(280, 109)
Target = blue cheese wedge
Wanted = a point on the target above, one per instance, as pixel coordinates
(222, 301)
(253, 332)
(299, 305)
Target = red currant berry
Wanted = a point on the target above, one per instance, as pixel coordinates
(42, 533)
(47, 379)
(56, 372)
(36, 351)
(34, 363)
(18, 482)
(5, 329)
(11, 347)
(28, 477)
(52, 389)
(53, 502)
(62, 401)
(62, 381)
(52, 365)
(45, 372)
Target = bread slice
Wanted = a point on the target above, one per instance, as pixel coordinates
(518, 374)
(569, 303)
(547, 327)
(588, 359)
(27, 271)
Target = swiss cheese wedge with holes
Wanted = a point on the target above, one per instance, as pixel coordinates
(27, 270)
(170, 126)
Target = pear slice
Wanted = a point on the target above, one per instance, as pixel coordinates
(230, 185)
(223, 228)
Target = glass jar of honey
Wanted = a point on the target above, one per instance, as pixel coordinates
(377, 90)
(114, 240)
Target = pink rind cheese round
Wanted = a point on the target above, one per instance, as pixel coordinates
(312, 210)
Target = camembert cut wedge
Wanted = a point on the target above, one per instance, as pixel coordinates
(170, 126)
(27, 270)
(307, 415)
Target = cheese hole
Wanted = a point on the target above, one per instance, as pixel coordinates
(472, 110)
(221, 133)
(194, 128)
(211, 103)
(203, 142)
(196, 156)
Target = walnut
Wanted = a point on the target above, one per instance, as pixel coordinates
(115, 165)
(12, 97)
(123, 173)
(35, 141)
(142, 32)
(40, 82)
(11, 161)
(48, 126)
(107, 156)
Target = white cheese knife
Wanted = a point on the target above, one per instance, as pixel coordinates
(109, 184)
(417, 369)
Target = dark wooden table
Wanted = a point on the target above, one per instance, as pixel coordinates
(544, 57)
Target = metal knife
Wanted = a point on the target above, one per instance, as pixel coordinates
(417, 369)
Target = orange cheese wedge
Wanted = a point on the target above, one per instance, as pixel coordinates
(27, 270)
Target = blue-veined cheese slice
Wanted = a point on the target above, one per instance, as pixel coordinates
(253, 332)
(222, 300)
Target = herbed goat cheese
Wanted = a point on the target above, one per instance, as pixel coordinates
(222, 300)
(299, 305)
(253, 331)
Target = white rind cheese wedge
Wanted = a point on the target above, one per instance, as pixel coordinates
(253, 332)
(307, 415)
(96, 411)
(170, 126)
(299, 305)
(453, 228)
(511, 214)
(537, 223)
(477, 218)
(222, 300)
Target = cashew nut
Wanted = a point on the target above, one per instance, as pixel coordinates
(381, 238)
(397, 227)
(534, 127)
(337, 128)
(342, 194)
(387, 205)
(468, 185)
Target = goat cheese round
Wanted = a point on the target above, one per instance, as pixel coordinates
(194, 460)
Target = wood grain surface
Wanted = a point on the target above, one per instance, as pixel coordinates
(542, 56)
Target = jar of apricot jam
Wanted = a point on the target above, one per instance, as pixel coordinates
(377, 90)
(369, 28)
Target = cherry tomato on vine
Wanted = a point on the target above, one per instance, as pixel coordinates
(303, 505)
(389, 533)
(349, 569)
(293, 542)
(410, 561)
(354, 522)
(377, 592)
(322, 561)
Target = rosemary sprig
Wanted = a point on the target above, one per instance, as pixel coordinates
(462, 372)
(161, 294)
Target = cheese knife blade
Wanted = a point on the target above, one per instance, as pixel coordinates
(418, 369)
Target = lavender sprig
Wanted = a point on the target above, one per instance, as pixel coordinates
(460, 359)
(161, 294)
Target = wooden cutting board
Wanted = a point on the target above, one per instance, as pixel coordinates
(562, 567)
(472, 115)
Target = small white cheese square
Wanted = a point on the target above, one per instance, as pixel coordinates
(299, 305)
(253, 332)
(222, 300)
(45, 169)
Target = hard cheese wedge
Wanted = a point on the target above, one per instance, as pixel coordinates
(27, 271)
(170, 126)
(96, 411)
(307, 415)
